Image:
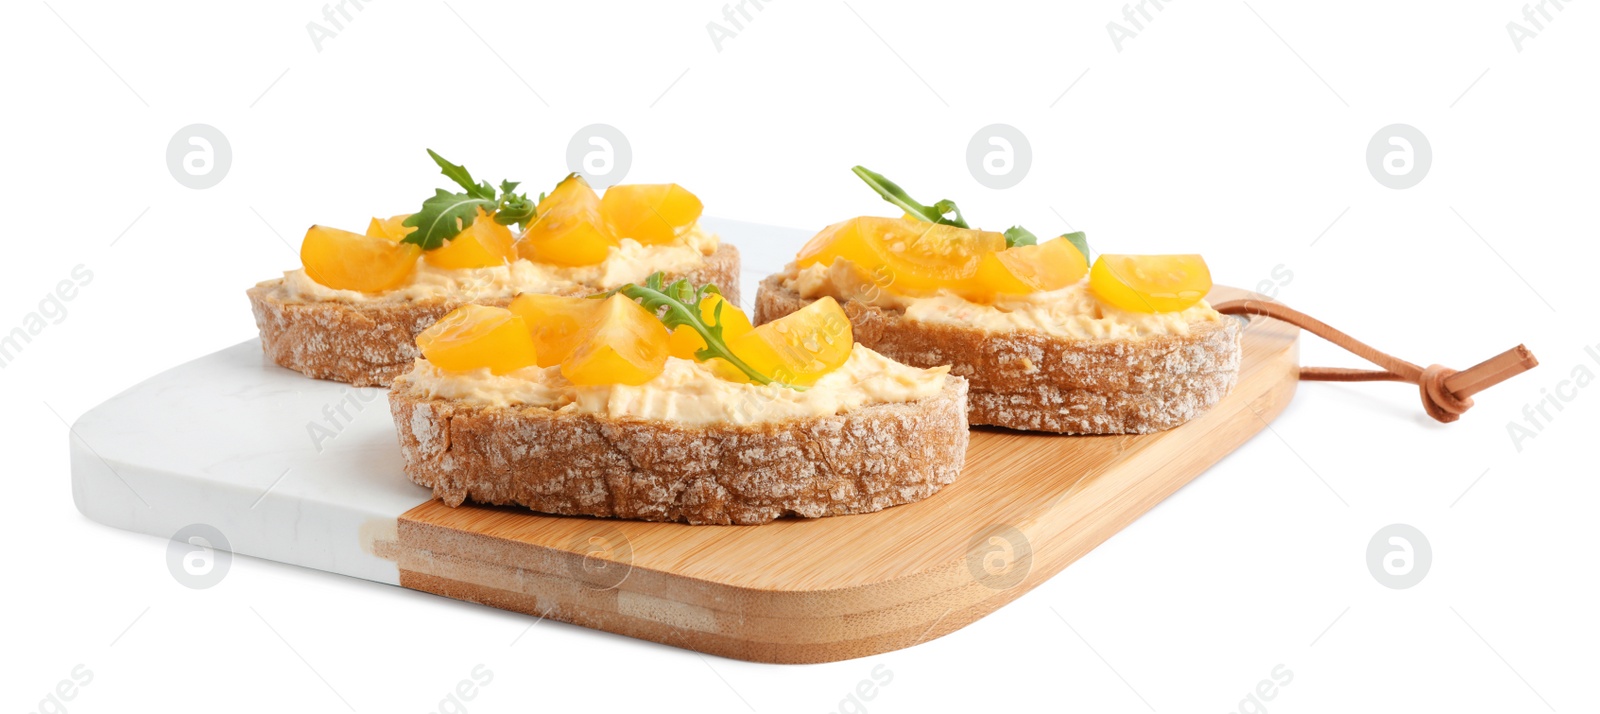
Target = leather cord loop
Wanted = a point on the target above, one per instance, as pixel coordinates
(1446, 393)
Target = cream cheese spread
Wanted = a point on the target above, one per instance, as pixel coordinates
(1071, 312)
(690, 393)
(630, 262)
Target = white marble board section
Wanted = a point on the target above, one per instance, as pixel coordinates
(288, 468)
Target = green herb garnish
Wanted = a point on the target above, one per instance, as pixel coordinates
(679, 304)
(1079, 241)
(890, 191)
(1017, 235)
(947, 213)
(446, 214)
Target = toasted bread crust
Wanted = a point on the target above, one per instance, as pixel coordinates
(1037, 382)
(368, 345)
(574, 463)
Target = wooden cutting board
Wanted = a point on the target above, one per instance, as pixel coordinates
(1025, 507)
(246, 447)
(308, 472)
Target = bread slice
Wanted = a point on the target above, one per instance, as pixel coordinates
(1037, 382)
(368, 345)
(580, 463)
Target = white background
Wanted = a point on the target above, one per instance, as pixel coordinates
(1237, 130)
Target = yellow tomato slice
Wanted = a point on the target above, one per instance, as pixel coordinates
(569, 229)
(994, 278)
(557, 324)
(845, 239)
(390, 227)
(1051, 265)
(1150, 283)
(350, 261)
(484, 244)
(650, 213)
(912, 256)
(625, 345)
(798, 348)
(931, 255)
(477, 336)
(684, 341)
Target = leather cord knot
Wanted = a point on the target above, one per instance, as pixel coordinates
(1446, 393)
(1437, 400)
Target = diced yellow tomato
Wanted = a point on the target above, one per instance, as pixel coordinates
(484, 244)
(650, 213)
(557, 324)
(350, 261)
(390, 227)
(569, 229)
(684, 341)
(626, 344)
(1150, 283)
(915, 256)
(478, 336)
(798, 348)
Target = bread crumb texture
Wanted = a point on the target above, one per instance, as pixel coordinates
(1038, 382)
(369, 345)
(577, 463)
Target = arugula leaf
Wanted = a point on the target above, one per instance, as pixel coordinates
(943, 208)
(515, 207)
(463, 178)
(679, 304)
(1079, 241)
(1017, 235)
(891, 192)
(443, 217)
(446, 214)
(941, 211)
